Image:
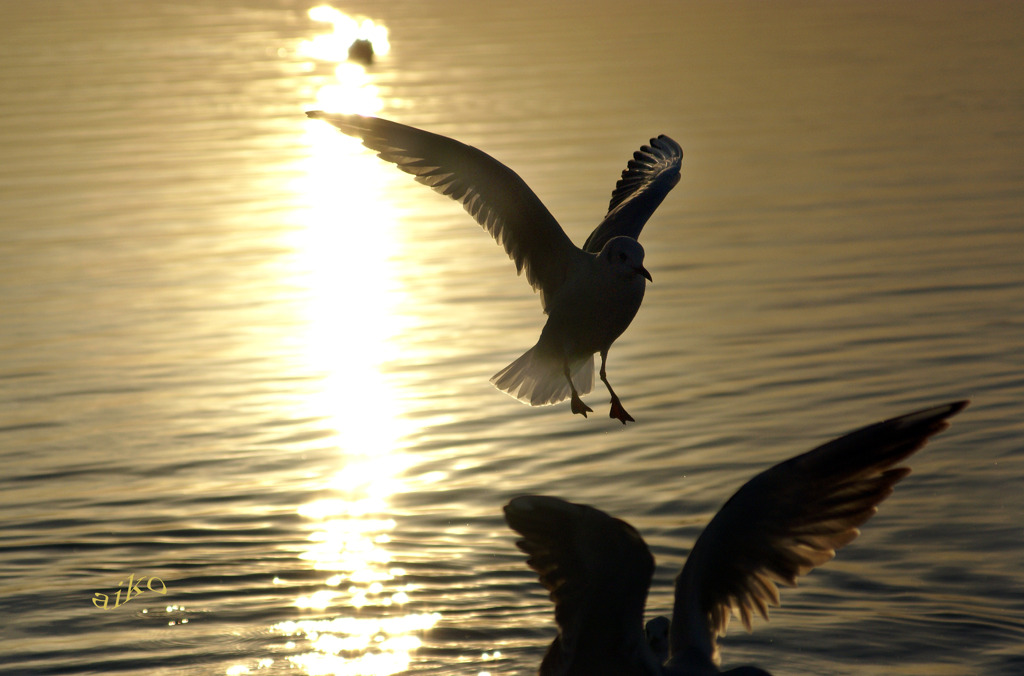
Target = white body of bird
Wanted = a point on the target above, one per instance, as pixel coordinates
(587, 314)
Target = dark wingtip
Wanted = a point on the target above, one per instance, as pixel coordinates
(669, 141)
(958, 406)
(315, 114)
(935, 413)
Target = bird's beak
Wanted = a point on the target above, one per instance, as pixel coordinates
(643, 271)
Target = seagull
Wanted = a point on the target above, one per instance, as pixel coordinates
(590, 295)
(781, 524)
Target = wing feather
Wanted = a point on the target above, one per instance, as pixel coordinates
(788, 520)
(646, 180)
(597, 569)
(494, 195)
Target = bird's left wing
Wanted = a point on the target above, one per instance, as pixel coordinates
(788, 520)
(646, 180)
(597, 569)
(492, 193)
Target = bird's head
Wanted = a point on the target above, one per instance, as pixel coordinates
(626, 255)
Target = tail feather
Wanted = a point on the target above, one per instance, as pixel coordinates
(537, 379)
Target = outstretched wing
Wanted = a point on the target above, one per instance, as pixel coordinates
(492, 193)
(598, 570)
(649, 176)
(788, 520)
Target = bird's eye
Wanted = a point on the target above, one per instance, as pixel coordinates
(622, 256)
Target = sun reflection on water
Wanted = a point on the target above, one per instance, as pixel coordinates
(354, 90)
(345, 260)
(334, 46)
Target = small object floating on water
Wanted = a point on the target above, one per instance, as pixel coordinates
(361, 51)
(590, 295)
(781, 524)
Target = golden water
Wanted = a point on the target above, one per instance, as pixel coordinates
(242, 355)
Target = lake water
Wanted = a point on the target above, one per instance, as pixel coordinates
(244, 357)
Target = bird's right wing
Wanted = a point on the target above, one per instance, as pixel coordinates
(492, 193)
(646, 180)
(787, 520)
(598, 570)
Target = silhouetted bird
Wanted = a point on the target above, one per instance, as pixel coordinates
(779, 525)
(590, 294)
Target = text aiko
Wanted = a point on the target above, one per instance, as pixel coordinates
(100, 600)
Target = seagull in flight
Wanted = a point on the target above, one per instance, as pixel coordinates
(781, 524)
(590, 294)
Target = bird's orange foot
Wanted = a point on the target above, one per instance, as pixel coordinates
(619, 413)
(579, 407)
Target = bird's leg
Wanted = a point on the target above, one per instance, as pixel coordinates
(577, 404)
(617, 411)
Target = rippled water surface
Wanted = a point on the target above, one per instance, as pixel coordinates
(245, 361)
